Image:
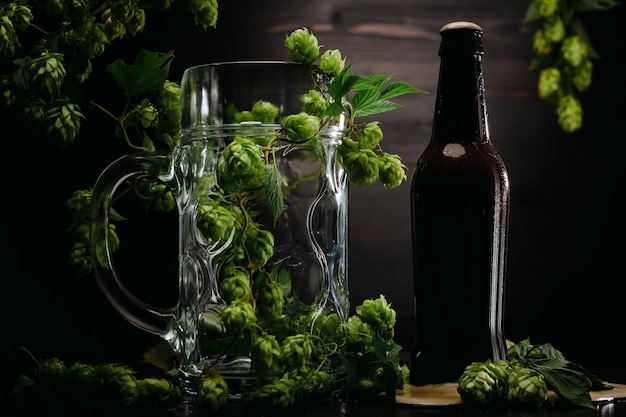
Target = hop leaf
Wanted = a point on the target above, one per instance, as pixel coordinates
(147, 74)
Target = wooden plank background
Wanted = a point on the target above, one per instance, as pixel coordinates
(567, 220)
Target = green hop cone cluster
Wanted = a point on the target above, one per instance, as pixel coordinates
(80, 254)
(259, 245)
(564, 55)
(484, 382)
(314, 103)
(372, 357)
(236, 286)
(524, 379)
(302, 46)
(493, 382)
(242, 164)
(215, 221)
(527, 388)
(238, 316)
(150, 391)
(261, 111)
(296, 350)
(360, 151)
(362, 165)
(270, 299)
(212, 392)
(63, 121)
(205, 12)
(291, 388)
(378, 314)
(331, 62)
(359, 334)
(265, 354)
(54, 46)
(100, 385)
(300, 127)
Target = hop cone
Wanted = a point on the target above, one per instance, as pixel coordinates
(270, 300)
(238, 316)
(236, 286)
(265, 353)
(296, 350)
(300, 127)
(242, 164)
(259, 245)
(302, 46)
(483, 382)
(280, 393)
(215, 221)
(212, 392)
(378, 314)
(47, 73)
(527, 387)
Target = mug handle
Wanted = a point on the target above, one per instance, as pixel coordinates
(147, 317)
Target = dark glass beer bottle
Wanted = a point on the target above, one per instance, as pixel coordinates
(459, 219)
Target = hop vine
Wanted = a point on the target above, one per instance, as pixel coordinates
(564, 55)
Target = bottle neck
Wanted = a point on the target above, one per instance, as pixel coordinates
(460, 109)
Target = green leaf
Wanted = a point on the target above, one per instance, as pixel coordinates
(590, 5)
(371, 81)
(21, 383)
(147, 74)
(597, 384)
(351, 364)
(395, 89)
(283, 277)
(532, 12)
(568, 384)
(579, 28)
(273, 189)
(342, 84)
(379, 106)
(388, 356)
(365, 98)
(334, 109)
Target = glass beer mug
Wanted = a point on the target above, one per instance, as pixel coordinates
(252, 259)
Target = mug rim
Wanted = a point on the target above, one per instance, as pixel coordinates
(245, 63)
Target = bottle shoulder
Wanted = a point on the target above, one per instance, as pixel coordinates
(449, 161)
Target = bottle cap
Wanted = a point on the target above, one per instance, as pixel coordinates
(460, 25)
(461, 37)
